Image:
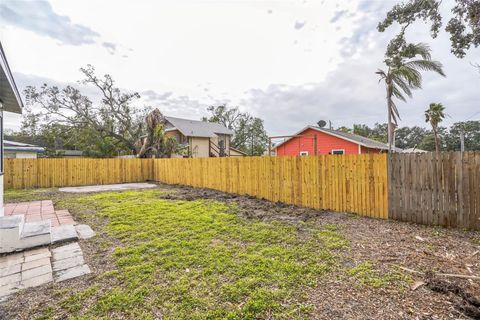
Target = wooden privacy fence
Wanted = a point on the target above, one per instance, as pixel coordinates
(351, 183)
(425, 188)
(433, 189)
(45, 173)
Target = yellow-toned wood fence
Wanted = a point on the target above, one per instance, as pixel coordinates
(349, 183)
(426, 188)
(61, 172)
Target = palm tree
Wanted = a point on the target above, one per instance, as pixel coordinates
(402, 76)
(434, 114)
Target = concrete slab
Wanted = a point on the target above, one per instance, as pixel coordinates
(34, 252)
(64, 233)
(109, 187)
(35, 263)
(66, 254)
(67, 247)
(37, 281)
(13, 278)
(35, 267)
(8, 270)
(32, 229)
(84, 231)
(10, 222)
(8, 290)
(11, 259)
(32, 256)
(34, 241)
(35, 272)
(72, 273)
(68, 263)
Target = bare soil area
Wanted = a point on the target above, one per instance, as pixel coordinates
(390, 269)
(387, 245)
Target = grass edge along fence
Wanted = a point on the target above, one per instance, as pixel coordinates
(65, 172)
(424, 188)
(348, 183)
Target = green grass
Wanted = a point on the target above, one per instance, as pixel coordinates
(20, 195)
(198, 260)
(368, 276)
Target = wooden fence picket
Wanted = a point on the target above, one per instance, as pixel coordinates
(433, 189)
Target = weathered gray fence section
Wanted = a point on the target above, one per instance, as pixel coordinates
(435, 189)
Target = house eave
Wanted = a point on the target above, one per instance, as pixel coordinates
(17, 149)
(9, 96)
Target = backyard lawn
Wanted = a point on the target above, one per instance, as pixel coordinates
(182, 253)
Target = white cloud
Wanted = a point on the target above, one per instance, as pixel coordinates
(38, 16)
(187, 55)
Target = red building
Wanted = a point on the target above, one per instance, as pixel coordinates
(328, 141)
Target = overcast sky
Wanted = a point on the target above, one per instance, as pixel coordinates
(291, 63)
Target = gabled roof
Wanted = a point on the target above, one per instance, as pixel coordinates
(239, 151)
(196, 128)
(19, 146)
(70, 152)
(9, 96)
(355, 138)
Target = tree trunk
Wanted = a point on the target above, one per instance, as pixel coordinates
(389, 123)
(437, 142)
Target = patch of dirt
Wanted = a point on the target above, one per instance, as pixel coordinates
(248, 207)
(463, 301)
(387, 244)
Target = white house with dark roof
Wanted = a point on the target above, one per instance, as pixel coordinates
(18, 150)
(9, 101)
(202, 139)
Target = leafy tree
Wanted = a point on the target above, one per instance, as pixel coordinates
(251, 137)
(156, 143)
(378, 132)
(344, 129)
(428, 143)
(249, 133)
(422, 138)
(113, 120)
(434, 115)
(56, 137)
(362, 130)
(229, 117)
(471, 130)
(409, 137)
(463, 26)
(403, 75)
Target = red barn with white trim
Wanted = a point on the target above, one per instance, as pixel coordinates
(328, 142)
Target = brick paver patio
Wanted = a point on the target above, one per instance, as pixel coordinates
(38, 211)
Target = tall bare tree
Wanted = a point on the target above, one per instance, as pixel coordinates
(113, 118)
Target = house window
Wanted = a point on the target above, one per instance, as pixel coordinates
(338, 151)
(303, 153)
